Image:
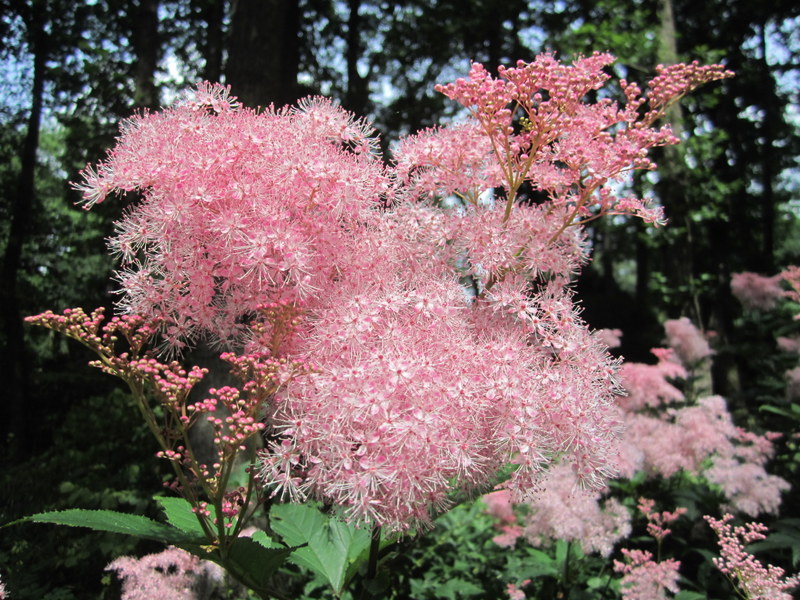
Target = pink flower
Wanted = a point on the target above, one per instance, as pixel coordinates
(793, 383)
(514, 593)
(239, 208)
(499, 505)
(791, 275)
(747, 485)
(394, 412)
(789, 344)
(509, 536)
(756, 292)
(688, 343)
(563, 512)
(656, 522)
(699, 438)
(408, 383)
(753, 579)
(172, 573)
(646, 386)
(610, 337)
(644, 579)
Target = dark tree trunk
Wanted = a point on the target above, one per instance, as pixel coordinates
(15, 359)
(143, 16)
(212, 14)
(357, 94)
(768, 161)
(672, 177)
(263, 51)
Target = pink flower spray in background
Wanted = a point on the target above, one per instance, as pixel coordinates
(642, 577)
(172, 574)
(752, 579)
(755, 291)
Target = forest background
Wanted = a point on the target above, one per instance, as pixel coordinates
(72, 70)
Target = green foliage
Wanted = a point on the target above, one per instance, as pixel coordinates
(331, 549)
(458, 550)
(95, 462)
(115, 522)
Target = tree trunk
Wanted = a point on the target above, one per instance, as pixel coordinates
(263, 51)
(143, 17)
(357, 94)
(671, 187)
(15, 358)
(212, 15)
(768, 161)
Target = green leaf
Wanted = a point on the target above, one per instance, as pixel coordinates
(562, 553)
(334, 549)
(536, 564)
(254, 563)
(115, 522)
(263, 539)
(688, 595)
(178, 512)
(794, 413)
(457, 588)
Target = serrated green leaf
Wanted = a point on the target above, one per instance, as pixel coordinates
(115, 522)
(262, 538)
(253, 562)
(333, 548)
(179, 514)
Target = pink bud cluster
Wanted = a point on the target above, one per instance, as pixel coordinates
(753, 580)
(672, 82)
(235, 414)
(657, 521)
(544, 132)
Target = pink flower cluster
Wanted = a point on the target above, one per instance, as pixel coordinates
(665, 434)
(436, 344)
(687, 341)
(172, 573)
(645, 579)
(563, 512)
(791, 275)
(560, 511)
(239, 208)
(753, 580)
(514, 592)
(755, 291)
(657, 521)
(762, 293)
(566, 147)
